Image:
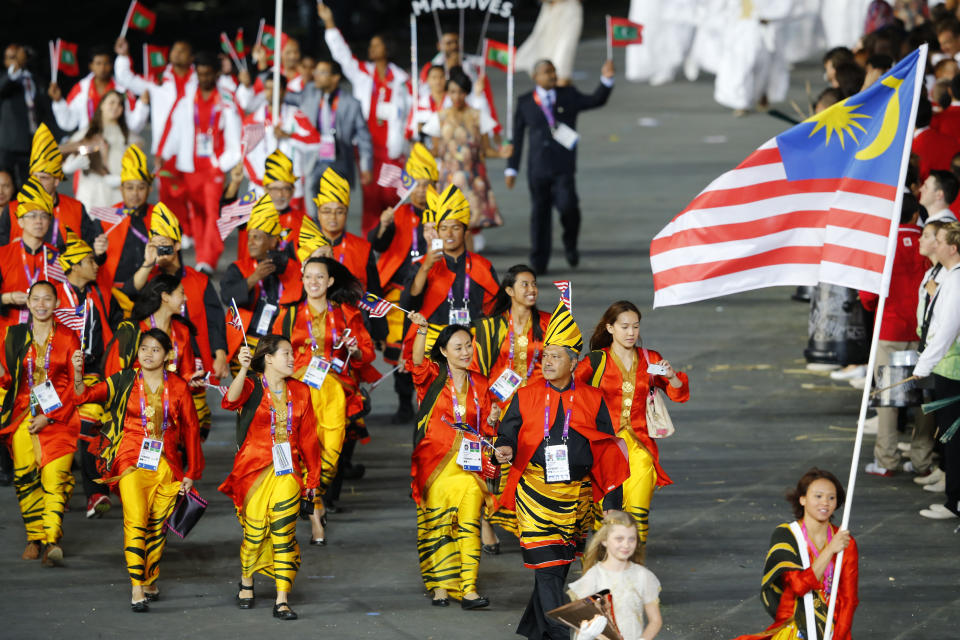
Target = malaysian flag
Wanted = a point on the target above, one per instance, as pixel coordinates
(235, 320)
(235, 214)
(377, 306)
(110, 215)
(566, 293)
(54, 272)
(394, 177)
(222, 388)
(817, 203)
(72, 318)
(251, 136)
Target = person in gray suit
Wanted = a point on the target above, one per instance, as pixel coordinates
(338, 117)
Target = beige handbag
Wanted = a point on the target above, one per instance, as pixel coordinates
(659, 424)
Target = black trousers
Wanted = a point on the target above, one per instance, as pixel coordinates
(547, 595)
(88, 462)
(547, 192)
(346, 459)
(403, 385)
(947, 388)
(19, 163)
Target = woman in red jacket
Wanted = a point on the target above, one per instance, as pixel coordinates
(446, 462)
(800, 571)
(330, 346)
(276, 437)
(620, 369)
(151, 418)
(39, 421)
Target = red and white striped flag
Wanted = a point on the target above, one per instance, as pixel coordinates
(110, 215)
(235, 214)
(566, 293)
(376, 306)
(72, 318)
(251, 136)
(55, 271)
(815, 204)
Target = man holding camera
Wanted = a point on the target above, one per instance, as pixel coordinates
(260, 281)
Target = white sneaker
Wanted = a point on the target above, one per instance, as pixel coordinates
(870, 425)
(875, 469)
(821, 366)
(936, 475)
(908, 466)
(904, 447)
(937, 487)
(938, 512)
(848, 374)
(858, 383)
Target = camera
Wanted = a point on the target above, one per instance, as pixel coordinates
(165, 250)
(279, 259)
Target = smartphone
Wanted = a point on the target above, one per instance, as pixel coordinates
(435, 244)
(657, 370)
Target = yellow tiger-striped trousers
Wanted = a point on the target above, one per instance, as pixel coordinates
(638, 488)
(503, 517)
(448, 531)
(43, 492)
(148, 498)
(330, 406)
(552, 517)
(204, 416)
(269, 521)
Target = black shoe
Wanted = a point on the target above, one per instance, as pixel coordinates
(573, 257)
(152, 596)
(245, 603)
(140, 606)
(476, 603)
(333, 507)
(440, 602)
(492, 549)
(284, 612)
(354, 472)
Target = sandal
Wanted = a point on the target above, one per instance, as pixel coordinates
(283, 611)
(245, 603)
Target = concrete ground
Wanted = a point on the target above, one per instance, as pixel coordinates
(755, 422)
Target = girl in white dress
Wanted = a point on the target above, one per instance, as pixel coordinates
(614, 561)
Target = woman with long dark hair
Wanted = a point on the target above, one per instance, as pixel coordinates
(628, 374)
(151, 424)
(276, 438)
(447, 459)
(330, 346)
(800, 571)
(509, 346)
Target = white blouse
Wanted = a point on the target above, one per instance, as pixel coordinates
(631, 589)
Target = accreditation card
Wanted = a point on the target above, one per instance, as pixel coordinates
(46, 396)
(506, 384)
(469, 456)
(150, 452)
(558, 465)
(282, 459)
(316, 372)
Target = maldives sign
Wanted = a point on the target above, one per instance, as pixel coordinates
(502, 8)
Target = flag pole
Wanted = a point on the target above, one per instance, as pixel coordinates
(236, 313)
(146, 60)
(259, 39)
(414, 71)
(126, 21)
(461, 36)
(609, 39)
(483, 32)
(884, 290)
(277, 46)
(510, 34)
(83, 331)
(53, 62)
(436, 24)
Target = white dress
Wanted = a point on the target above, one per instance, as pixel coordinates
(631, 589)
(555, 36)
(669, 27)
(94, 189)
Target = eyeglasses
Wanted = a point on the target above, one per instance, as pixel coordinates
(35, 215)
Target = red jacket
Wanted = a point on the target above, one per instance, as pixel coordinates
(947, 121)
(935, 151)
(899, 322)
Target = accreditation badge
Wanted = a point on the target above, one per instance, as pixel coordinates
(327, 150)
(316, 372)
(204, 146)
(46, 396)
(459, 316)
(506, 384)
(469, 457)
(265, 322)
(150, 452)
(566, 136)
(282, 459)
(558, 464)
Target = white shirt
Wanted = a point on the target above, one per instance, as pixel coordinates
(944, 214)
(944, 325)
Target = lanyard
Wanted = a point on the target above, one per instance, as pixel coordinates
(546, 108)
(214, 111)
(466, 287)
(328, 107)
(143, 406)
(414, 241)
(546, 413)
(536, 352)
(46, 357)
(930, 302)
(828, 572)
(142, 237)
(273, 413)
(333, 329)
(31, 278)
(263, 289)
(342, 247)
(457, 416)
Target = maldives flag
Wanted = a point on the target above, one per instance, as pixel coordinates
(139, 17)
(154, 59)
(238, 45)
(497, 54)
(67, 58)
(269, 40)
(622, 32)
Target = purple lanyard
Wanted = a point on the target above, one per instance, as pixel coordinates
(546, 107)
(214, 110)
(46, 358)
(414, 242)
(828, 572)
(31, 278)
(457, 418)
(546, 413)
(343, 247)
(263, 290)
(273, 413)
(176, 350)
(536, 352)
(143, 405)
(142, 237)
(466, 288)
(333, 330)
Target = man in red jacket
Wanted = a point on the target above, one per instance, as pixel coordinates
(935, 150)
(898, 332)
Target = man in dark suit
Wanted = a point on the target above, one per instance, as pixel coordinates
(18, 116)
(550, 113)
(338, 118)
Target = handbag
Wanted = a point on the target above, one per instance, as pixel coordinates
(659, 424)
(186, 513)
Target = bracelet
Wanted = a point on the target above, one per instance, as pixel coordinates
(421, 333)
(147, 266)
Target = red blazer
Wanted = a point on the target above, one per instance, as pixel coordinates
(935, 150)
(610, 465)
(436, 444)
(256, 453)
(609, 380)
(118, 238)
(292, 291)
(14, 263)
(67, 212)
(947, 121)
(899, 322)
(353, 252)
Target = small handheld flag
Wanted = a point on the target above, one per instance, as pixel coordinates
(251, 136)
(566, 293)
(375, 305)
(67, 58)
(237, 322)
(497, 55)
(73, 318)
(110, 215)
(235, 214)
(139, 17)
